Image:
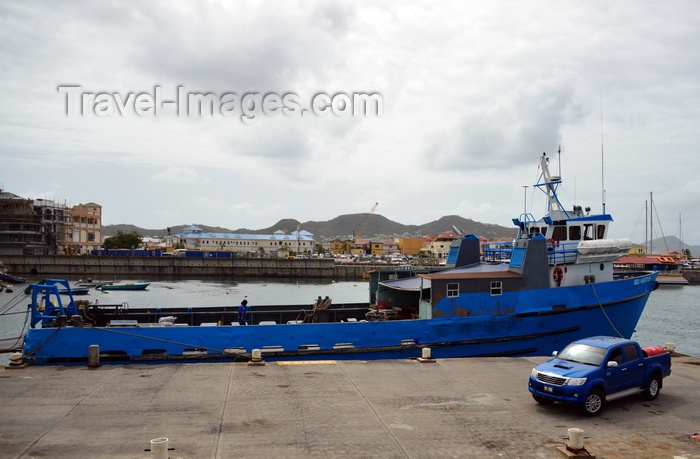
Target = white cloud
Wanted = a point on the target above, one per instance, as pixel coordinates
(473, 94)
(178, 175)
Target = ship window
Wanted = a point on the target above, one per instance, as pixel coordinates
(496, 288)
(587, 232)
(559, 233)
(452, 290)
(575, 233)
(601, 231)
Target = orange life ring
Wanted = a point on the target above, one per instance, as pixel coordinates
(558, 275)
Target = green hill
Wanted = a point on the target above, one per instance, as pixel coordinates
(343, 226)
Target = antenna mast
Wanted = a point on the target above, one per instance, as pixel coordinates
(559, 159)
(602, 155)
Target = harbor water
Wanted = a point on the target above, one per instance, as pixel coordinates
(669, 317)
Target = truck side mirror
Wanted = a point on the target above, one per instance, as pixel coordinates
(555, 353)
(612, 364)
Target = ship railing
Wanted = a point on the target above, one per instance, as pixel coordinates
(561, 253)
(102, 314)
(497, 251)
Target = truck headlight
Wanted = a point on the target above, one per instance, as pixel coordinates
(534, 373)
(576, 382)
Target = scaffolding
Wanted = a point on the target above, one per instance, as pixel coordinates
(31, 226)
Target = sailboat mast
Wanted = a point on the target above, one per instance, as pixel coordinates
(651, 222)
(646, 226)
(680, 236)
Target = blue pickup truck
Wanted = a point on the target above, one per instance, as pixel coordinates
(594, 370)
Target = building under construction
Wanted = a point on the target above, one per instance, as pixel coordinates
(32, 226)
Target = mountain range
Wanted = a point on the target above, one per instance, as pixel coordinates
(377, 226)
(344, 226)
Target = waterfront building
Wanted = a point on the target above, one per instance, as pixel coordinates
(339, 247)
(83, 229)
(410, 245)
(439, 246)
(278, 244)
(46, 227)
(376, 247)
(31, 227)
(390, 247)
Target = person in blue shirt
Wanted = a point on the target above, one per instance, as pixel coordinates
(243, 312)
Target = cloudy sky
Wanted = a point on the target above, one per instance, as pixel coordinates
(471, 94)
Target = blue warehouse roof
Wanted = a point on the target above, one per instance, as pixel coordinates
(194, 232)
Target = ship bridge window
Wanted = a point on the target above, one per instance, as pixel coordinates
(496, 288)
(601, 231)
(575, 233)
(588, 232)
(559, 233)
(452, 290)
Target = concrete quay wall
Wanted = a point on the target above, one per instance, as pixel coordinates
(692, 276)
(139, 267)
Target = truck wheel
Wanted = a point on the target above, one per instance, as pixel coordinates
(651, 391)
(542, 400)
(594, 404)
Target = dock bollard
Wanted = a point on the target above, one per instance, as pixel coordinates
(93, 356)
(256, 359)
(159, 448)
(575, 442)
(15, 361)
(670, 347)
(426, 356)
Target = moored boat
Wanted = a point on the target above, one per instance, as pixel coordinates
(75, 291)
(123, 286)
(558, 286)
(12, 279)
(93, 282)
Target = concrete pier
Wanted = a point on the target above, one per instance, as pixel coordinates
(130, 267)
(464, 408)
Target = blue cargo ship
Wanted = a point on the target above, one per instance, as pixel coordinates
(557, 286)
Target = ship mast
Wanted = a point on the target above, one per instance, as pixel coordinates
(551, 183)
(602, 156)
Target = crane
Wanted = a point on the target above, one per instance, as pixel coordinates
(357, 233)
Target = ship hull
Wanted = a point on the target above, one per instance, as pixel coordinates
(537, 322)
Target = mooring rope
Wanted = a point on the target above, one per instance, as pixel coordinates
(605, 313)
(13, 302)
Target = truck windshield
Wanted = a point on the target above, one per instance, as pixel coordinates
(583, 353)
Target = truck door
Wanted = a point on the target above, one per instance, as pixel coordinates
(629, 371)
(635, 366)
(616, 377)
